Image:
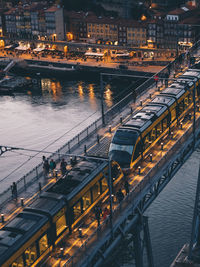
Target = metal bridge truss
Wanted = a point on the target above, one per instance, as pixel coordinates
(128, 217)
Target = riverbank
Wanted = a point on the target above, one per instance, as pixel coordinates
(49, 66)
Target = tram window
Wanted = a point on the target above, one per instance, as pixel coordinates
(115, 171)
(104, 184)
(77, 210)
(158, 129)
(18, 262)
(43, 244)
(60, 225)
(164, 123)
(181, 107)
(30, 255)
(173, 114)
(96, 191)
(146, 141)
(138, 150)
(86, 200)
(190, 98)
(153, 134)
(186, 102)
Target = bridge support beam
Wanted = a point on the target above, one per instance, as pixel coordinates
(141, 241)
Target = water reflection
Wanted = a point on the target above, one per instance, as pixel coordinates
(80, 91)
(92, 97)
(108, 96)
(56, 91)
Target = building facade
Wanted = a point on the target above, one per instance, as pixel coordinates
(34, 22)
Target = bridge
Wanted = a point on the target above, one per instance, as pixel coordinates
(91, 245)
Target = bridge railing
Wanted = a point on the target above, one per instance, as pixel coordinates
(71, 145)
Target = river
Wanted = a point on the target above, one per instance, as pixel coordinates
(36, 119)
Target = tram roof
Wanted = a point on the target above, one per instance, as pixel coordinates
(81, 174)
(193, 73)
(171, 91)
(138, 123)
(185, 80)
(156, 109)
(179, 85)
(165, 100)
(48, 203)
(18, 231)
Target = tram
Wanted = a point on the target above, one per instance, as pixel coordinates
(135, 138)
(32, 234)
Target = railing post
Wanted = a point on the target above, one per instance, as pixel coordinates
(24, 181)
(36, 169)
(69, 146)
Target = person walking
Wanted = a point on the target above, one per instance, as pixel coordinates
(97, 212)
(120, 195)
(46, 168)
(126, 187)
(156, 80)
(63, 166)
(52, 166)
(106, 213)
(14, 190)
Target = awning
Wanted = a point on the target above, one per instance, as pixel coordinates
(94, 54)
(22, 48)
(38, 49)
(8, 46)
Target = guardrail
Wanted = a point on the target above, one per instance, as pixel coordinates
(93, 128)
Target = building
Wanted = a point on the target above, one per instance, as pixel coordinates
(54, 23)
(35, 21)
(107, 30)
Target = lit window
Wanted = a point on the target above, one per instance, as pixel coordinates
(104, 184)
(96, 191)
(77, 210)
(30, 255)
(43, 244)
(18, 262)
(86, 200)
(60, 225)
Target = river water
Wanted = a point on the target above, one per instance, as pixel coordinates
(37, 119)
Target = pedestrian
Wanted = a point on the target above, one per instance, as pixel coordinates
(156, 80)
(63, 165)
(126, 187)
(14, 190)
(43, 159)
(106, 213)
(98, 212)
(46, 168)
(120, 195)
(52, 166)
(166, 79)
(134, 95)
